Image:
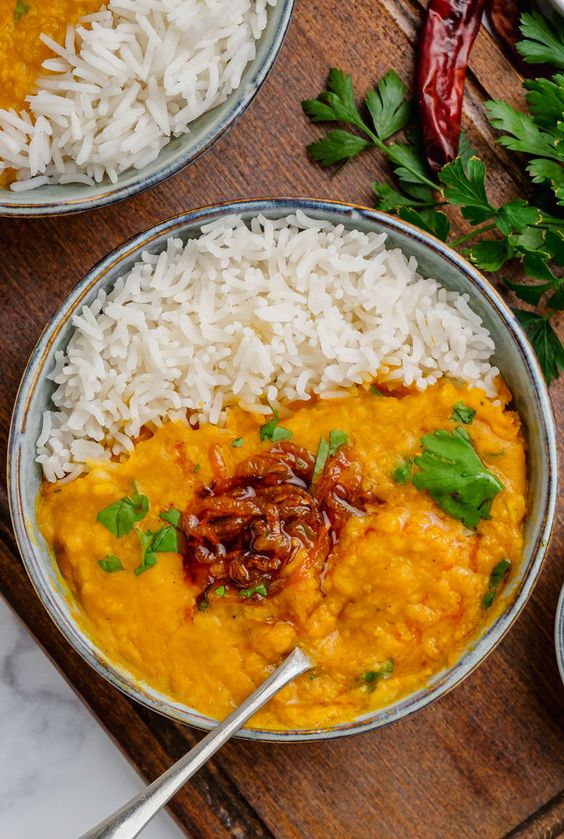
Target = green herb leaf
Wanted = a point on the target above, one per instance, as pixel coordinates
(237, 443)
(497, 577)
(529, 293)
(542, 170)
(203, 605)
(172, 516)
(433, 221)
(373, 389)
(165, 540)
(465, 184)
(463, 413)
(516, 216)
(545, 99)
(388, 106)
(522, 134)
(402, 473)
(120, 516)
(338, 146)
(248, 592)
(390, 200)
(272, 431)
(196, 468)
(148, 556)
(321, 459)
(544, 40)
(336, 440)
(455, 477)
(490, 254)
(21, 8)
(545, 341)
(409, 165)
(110, 564)
(372, 677)
(220, 591)
(337, 103)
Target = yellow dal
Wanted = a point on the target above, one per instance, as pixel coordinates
(21, 51)
(404, 583)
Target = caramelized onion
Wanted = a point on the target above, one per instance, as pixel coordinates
(267, 524)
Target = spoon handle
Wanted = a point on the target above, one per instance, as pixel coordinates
(129, 820)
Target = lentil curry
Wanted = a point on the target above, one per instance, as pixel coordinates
(203, 559)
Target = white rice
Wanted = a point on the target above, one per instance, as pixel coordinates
(127, 80)
(273, 312)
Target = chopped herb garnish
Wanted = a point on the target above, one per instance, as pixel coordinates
(220, 591)
(148, 556)
(110, 564)
(21, 9)
(272, 431)
(165, 540)
(336, 440)
(373, 389)
(497, 577)
(402, 472)
(172, 516)
(237, 443)
(203, 605)
(372, 677)
(120, 516)
(463, 413)
(321, 459)
(455, 477)
(197, 468)
(248, 592)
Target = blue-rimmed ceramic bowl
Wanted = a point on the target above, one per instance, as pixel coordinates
(178, 153)
(559, 634)
(513, 356)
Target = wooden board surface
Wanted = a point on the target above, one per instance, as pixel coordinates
(486, 760)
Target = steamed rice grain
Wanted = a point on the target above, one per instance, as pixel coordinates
(270, 312)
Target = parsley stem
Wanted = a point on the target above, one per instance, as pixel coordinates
(456, 242)
(384, 148)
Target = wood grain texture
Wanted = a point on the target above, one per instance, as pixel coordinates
(486, 760)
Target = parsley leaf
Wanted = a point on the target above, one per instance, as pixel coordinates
(21, 8)
(237, 443)
(336, 440)
(545, 341)
(463, 413)
(272, 431)
(110, 564)
(248, 592)
(466, 185)
(120, 516)
(433, 221)
(372, 677)
(220, 591)
(148, 556)
(544, 40)
(545, 99)
(338, 146)
(455, 477)
(402, 472)
(321, 459)
(522, 134)
(497, 577)
(165, 540)
(389, 108)
(172, 516)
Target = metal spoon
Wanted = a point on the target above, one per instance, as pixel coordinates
(129, 820)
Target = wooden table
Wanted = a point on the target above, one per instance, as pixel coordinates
(486, 760)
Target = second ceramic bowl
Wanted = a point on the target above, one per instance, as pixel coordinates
(178, 153)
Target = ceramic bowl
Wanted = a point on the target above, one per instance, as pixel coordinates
(513, 356)
(178, 153)
(559, 634)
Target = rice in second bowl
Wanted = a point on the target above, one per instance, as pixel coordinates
(269, 313)
(124, 82)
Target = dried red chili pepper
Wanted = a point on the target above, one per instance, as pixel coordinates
(448, 34)
(504, 16)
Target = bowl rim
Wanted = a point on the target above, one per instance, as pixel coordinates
(559, 634)
(237, 103)
(168, 707)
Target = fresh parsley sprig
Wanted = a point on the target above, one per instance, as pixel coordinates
(514, 231)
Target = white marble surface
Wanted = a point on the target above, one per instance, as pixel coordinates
(59, 771)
